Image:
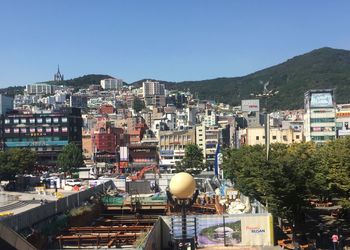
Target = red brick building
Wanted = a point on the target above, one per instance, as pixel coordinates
(106, 138)
(106, 109)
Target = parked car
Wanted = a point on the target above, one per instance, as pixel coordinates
(73, 182)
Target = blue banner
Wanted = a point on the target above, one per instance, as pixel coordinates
(216, 162)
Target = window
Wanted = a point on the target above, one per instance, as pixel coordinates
(274, 137)
(32, 130)
(39, 130)
(285, 138)
(39, 120)
(15, 121)
(23, 120)
(31, 120)
(23, 130)
(55, 120)
(16, 130)
(48, 120)
(64, 119)
(7, 130)
(7, 121)
(297, 136)
(64, 129)
(56, 130)
(257, 138)
(49, 130)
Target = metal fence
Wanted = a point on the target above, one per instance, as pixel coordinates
(35, 215)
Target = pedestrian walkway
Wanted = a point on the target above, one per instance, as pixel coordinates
(17, 204)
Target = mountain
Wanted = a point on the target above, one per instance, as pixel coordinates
(320, 68)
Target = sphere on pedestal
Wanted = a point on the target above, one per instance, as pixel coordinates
(182, 185)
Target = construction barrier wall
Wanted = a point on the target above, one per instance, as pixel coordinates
(35, 215)
(231, 230)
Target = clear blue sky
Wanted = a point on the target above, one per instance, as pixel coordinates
(169, 40)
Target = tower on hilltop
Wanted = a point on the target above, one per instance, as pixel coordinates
(58, 76)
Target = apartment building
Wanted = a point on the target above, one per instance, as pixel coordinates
(320, 114)
(172, 145)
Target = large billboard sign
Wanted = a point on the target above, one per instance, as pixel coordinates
(251, 105)
(321, 100)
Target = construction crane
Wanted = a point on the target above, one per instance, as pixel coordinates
(140, 174)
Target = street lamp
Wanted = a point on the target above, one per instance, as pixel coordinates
(265, 95)
(182, 194)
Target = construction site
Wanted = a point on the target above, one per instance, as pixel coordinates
(136, 212)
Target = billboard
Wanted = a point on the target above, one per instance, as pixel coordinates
(251, 105)
(124, 154)
(321, 100)
(229, 230)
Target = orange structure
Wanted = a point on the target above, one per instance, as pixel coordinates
(140, 174)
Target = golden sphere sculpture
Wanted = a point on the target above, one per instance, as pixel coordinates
(182, 185)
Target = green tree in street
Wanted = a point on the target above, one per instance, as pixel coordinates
(280, 183)
(192, 163)
(16, 161)
(70, 159)
(334, 163)
(138, 104)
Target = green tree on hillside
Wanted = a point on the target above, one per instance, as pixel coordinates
(70, 159)
(138, 104)
(192, 163)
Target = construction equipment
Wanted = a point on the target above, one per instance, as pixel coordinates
(140, 174)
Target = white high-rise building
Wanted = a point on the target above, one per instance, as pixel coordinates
(112, 83)
(40, 89)
(153, 93)
(319, 117)
(151, 88)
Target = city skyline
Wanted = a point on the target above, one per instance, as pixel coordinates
(168, 41)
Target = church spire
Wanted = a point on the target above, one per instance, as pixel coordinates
(58, 76)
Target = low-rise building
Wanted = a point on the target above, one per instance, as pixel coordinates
(172, 145)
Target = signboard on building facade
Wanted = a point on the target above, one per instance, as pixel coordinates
(251, 105)
(321, 100)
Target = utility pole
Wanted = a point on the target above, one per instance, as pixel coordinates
(264, 96)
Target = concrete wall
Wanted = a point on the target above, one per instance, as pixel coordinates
(154, 238)
(35, 215)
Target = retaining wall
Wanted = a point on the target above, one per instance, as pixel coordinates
(35, 215)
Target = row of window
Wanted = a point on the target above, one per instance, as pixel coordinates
(321, 120)
(176, 138)
(285, 138)
(322, 129)
(36, 120)
(36, 130)
(323, 138)
(53, 138)
(274, 137)
(173, 147)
